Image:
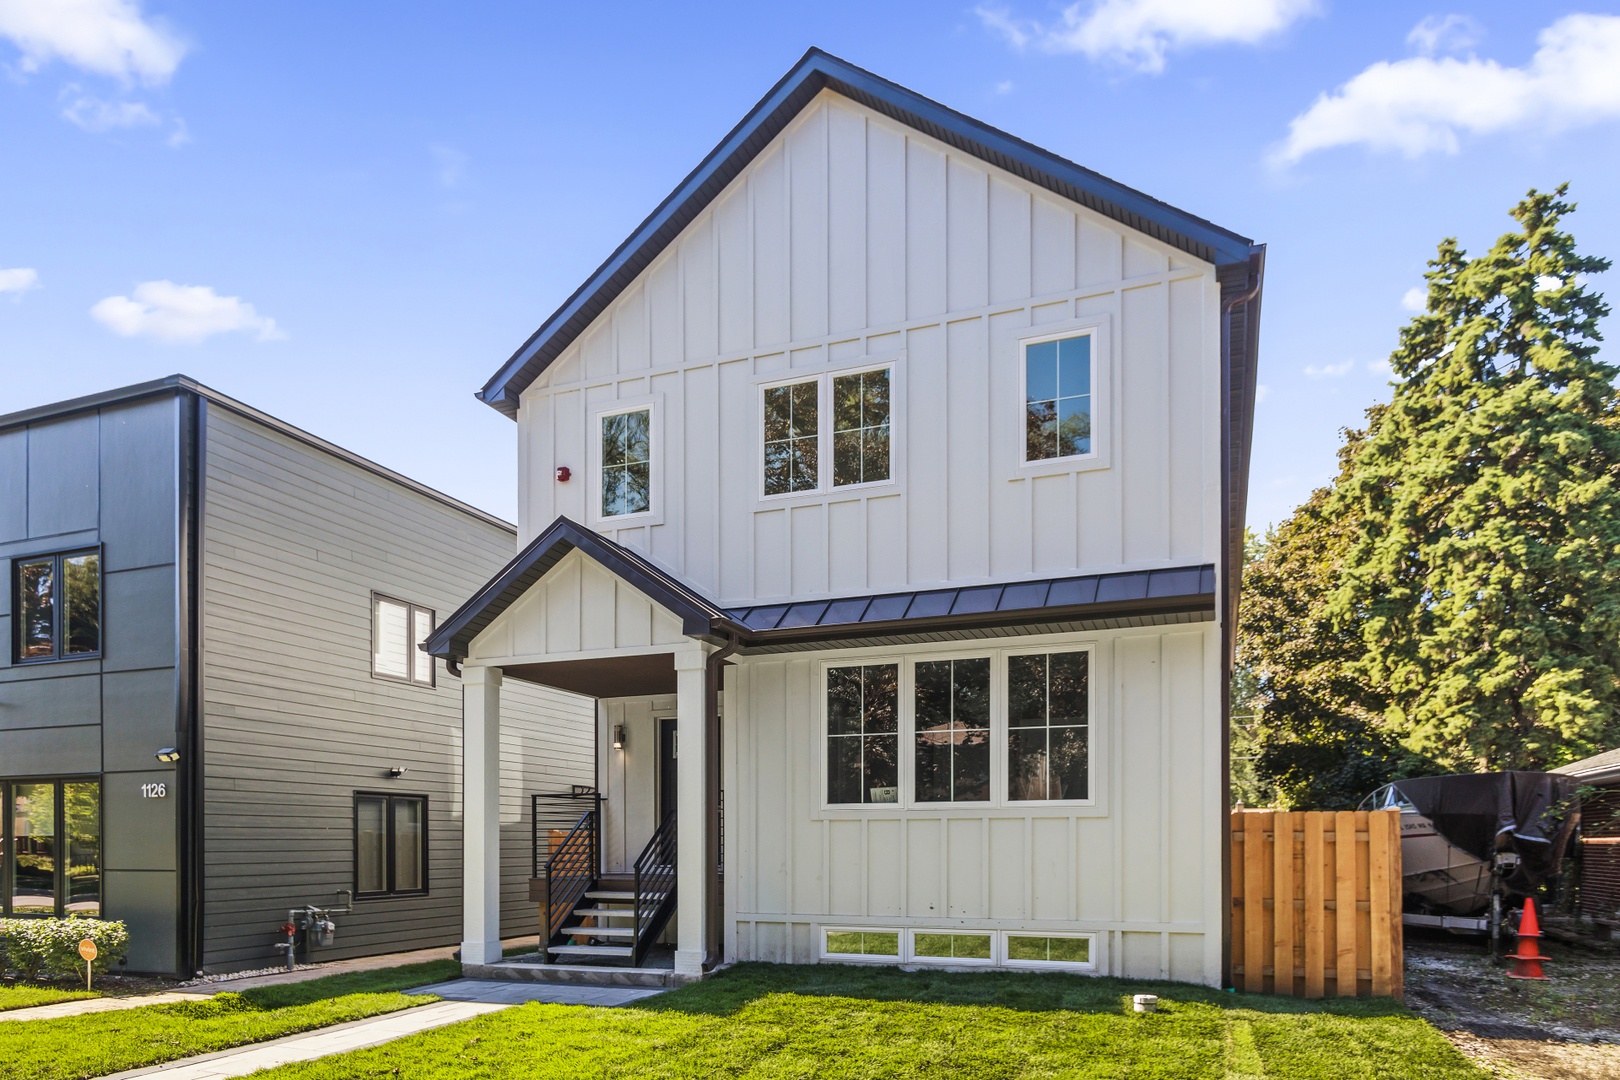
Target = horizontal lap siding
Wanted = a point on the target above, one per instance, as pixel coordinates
(295, 543)
(1140, 868)
(853, 236)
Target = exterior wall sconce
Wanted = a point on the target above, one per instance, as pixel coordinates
(563, 474)
(618, 736)
(168, 754)
(396, 772)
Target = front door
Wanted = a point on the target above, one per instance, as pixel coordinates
(667, 748)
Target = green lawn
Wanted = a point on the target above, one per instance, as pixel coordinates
(26, 997)
(100, 1043)
(828, 1023)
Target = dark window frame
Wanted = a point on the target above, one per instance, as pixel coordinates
(389, 799)
(59, 812)
(413, 655)
(59, 618)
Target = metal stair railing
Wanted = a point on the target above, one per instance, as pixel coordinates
(571, 862)
(655, 887)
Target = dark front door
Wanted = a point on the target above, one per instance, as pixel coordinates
(667, 747)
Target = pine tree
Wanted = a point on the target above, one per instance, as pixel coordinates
(1483, 579)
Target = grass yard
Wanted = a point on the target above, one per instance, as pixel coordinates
(100, 1043)
(26, 997)
(828, 1022)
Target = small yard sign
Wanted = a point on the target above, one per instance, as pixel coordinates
(87, 949)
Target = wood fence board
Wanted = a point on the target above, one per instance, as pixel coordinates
(1344, 897)
(1315, 908)
(1378, 858)
(1256, 942)
(1282, 903)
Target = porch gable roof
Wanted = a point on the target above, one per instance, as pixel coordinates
(1030, 606)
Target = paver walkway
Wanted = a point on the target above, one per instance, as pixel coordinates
(95, 1005)
(508, 992)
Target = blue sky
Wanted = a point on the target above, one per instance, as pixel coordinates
(350, 215)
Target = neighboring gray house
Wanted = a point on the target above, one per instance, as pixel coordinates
(211, 706)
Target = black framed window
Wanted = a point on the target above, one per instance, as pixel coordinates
(56, 600)
(52, 848)
(398, 628)
(390, 845)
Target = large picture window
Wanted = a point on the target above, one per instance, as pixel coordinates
(626, 463)
(953, 730)
(1057, 398)
(390, 845)
(828, 431)
(52, 849)
(863, 734)
(397, 629)
(57, 601)
(1048, 701)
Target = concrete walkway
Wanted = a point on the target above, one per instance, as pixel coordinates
(506, 992)
(96, 1005)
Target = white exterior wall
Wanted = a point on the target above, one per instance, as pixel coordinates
(852, 236)
(1139, 868)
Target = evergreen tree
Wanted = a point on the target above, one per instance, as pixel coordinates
(1481, 585)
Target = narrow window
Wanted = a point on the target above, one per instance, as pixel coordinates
(1047, 716)
(52, 846)
(863, 943)
(863, 733)
(1057, 399)
(1048, 950)
(953, 730)
(626, 463)
(390, 844)
(926, 946)
(792, 448)
(397, 629)
(860, 427)
(58, 603)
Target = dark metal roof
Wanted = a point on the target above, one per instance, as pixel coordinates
(1052, 604)
(816, 71)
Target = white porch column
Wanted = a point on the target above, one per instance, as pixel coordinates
(691, 872)
(481, 815)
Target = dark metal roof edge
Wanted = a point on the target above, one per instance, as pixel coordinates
(452, 636)
(185, 384)
(1167, 605)
(815, 70)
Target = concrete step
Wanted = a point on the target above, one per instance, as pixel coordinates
(583, 974)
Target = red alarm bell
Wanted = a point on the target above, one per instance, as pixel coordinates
(563, 474)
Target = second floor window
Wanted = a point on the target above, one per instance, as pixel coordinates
(57, 601)
(397, 628)
(627, 463)
(860, 427)
(828, 431)
(1057, 398)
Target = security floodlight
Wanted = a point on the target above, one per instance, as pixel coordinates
(397, 771)
(168, 754)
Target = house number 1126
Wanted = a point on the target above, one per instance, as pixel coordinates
(154, 791)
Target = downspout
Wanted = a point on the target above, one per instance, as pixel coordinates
(715, 949)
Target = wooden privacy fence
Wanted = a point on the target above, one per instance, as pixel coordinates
(1316, 902)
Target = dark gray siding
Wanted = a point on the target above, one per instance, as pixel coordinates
(105, 477)
(295, 542)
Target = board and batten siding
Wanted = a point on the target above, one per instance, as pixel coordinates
(1140, 868)
(295, 542)
(851, 236)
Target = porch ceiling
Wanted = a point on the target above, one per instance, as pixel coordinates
(648, 675)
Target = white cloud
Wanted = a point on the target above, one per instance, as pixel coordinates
(1004, 87)
(1380, 367)
(1261, 392)
(1421, 104)
(1138, 33)
(107, 37)
(1416, 299)
(1449, 33)
(19, 280)
(183, 313)
(93, 114)
(1330, 371)
(451, 164)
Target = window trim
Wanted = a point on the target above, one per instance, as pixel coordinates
(388, 798)
(413, 655)
(653, 405)
(907, 726)
(1013, 344)
(897, 957)
(59, 811)
(823, 378)
(1005, 959)
(993, 960)
(59, 621)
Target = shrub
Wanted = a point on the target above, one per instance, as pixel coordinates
(51, 946)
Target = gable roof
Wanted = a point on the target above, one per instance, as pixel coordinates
(816, 71)
(1130, 598)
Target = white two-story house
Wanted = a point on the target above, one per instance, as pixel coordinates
(886, 488)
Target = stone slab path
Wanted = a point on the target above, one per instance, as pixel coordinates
(505, 992)
(95, 1005)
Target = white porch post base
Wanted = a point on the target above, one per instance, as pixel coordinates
(481, 815)
(691, 871)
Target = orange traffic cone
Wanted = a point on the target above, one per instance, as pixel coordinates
(1527, 960)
